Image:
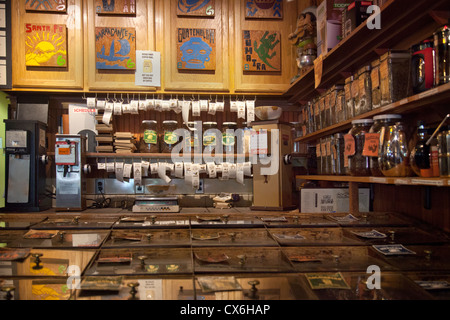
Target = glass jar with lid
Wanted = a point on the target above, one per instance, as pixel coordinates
(149, 142)
(358, 164)
(317, 121)
(379, 127)
(376, 89)
(169, 138)
(394, 76)
(337, 152)
(209, 136)
(228, 137)
(349, 99)
(365, 91)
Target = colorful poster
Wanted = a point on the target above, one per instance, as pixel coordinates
(264, 9)
(196, 49)
(46, 5)
(196, 8)
(118, 7)
(262, 51)
(45, 45)
(115, 48)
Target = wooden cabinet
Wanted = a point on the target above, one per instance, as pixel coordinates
(41, 77)
(158, 25)
(117, 80)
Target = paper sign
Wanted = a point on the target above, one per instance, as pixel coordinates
(349, 145)
(318, 69)
(371, 144)
(148, 68)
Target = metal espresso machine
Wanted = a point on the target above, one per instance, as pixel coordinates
(71, 170)
(26, 159)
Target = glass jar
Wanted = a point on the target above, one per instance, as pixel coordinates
(328, 157)
(365, 91)
(358, 165)
(325, 110)
(394, 152)
(317, 123)
(169, 138)
(149, 141)
(333, 106)
(319, 158)
(381, 124)
(337, 151)
(394, 76)
(209, 136)
(442, 46)
(228, 137)
(310, 117)
(349, 99)
(375, 78)
(340, 110)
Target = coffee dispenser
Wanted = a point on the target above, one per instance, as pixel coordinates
(71, 170)
(272, 180)
(423, 66)
(26, 159)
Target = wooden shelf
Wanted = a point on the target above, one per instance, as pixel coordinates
(147, 155)
(398, 19)
(439, 94)
(413, 181)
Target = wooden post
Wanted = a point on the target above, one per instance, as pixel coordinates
(353, 196)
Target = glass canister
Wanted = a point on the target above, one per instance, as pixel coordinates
(375, 78)
(334, 117)
(317, 123)
(228, 137)
(326, 114)
(296, 132)
(319, 158)
(209, 136)
(442, 47)
(358, 164)
(169, 137)
(349, 100)
(378, 129)
(341, 110)
(309, 117)
(149, 141)
(394, 76)
(394, 152)
(337, 151)
(365, 91)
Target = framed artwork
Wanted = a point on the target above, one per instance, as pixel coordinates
(46, 5)
(115, 48)
(45, 45)
(264, 9)
(262, 51)
(116, 7)
(196, 49)
(202, 8)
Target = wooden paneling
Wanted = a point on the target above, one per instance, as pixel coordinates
(274, 82)
(117, 80)
(190, 80)
(70, 77)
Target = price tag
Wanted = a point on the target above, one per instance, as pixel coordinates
(371, 144)
(318, 69)
(350, 149)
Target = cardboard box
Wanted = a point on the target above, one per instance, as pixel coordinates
(331, 200)
(353, 16)
(329, 21)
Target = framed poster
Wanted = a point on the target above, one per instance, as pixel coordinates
(116, 7)
(45, 45)
(46, 5)
(115, 48)
(201, 8)
(196, 49)
(262, 51)
(264, 9)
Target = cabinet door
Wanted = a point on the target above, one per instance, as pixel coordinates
(251, 73)
(182, 33)
(108, 35)
(47, 51)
